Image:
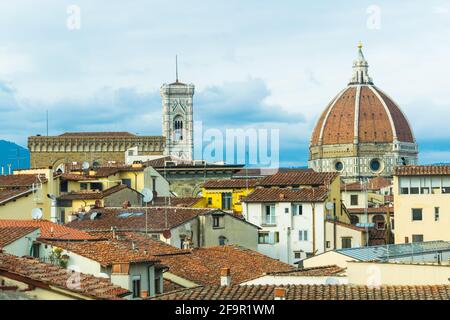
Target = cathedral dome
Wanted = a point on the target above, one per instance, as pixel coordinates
(362, 125)
(362, 113)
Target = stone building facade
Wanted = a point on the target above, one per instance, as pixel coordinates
(362, 133)
(102, 147)
(93, 147)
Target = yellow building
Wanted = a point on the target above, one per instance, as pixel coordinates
(27, 189)
(21, 192)
(83, 201)
(226, 194)
(422, 203)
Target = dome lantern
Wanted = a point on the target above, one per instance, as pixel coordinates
(360, 69)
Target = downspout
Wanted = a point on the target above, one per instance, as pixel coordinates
(334, 225)
(313, 205)
(135, 181)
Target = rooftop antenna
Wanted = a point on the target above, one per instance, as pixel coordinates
(47, 120)
(176, 67)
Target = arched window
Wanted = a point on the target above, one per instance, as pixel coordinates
(178, 128)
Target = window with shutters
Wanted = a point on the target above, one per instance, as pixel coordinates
(120, 268)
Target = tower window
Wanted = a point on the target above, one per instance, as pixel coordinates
(178, 128)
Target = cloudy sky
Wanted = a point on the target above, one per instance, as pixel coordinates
(255, 64)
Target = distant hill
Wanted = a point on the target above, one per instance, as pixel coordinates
(11, 153)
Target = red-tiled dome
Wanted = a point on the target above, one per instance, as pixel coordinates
(361, 113)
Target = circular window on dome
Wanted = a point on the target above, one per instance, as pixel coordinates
(375, 165)
(339, 166)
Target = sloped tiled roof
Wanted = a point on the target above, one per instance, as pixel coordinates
(142, 242)
(311, 292)
(49, 230)
(52, 275)
(310, 272)
(287, 195)
(371, 210)
(176, 201)
(230, 183)
(105, 252)
(93, 195)
(202, 266)
(7, 195)
(298, 178)
(133, 219)
(20, 180)
(421, 170)
(11, 234)
(374, 184)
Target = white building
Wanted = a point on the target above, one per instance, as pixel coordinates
(294, 223)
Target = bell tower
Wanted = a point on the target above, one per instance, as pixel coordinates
(177, 118)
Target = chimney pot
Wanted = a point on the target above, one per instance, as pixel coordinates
(225, 277)
(280, 293)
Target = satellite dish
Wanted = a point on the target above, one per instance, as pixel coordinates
(329, 205)
(36, 214)
(148, 195)
(93, 215)
(85, 165)
(51, 196)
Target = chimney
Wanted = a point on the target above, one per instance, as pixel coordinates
(280, 293)
(126, 204)
(225, 277)
(282, 196)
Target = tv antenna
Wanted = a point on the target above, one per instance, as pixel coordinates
(148, 197)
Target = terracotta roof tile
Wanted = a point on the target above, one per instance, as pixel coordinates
(141, 241)
(374, 184)
(11, 234)
(93, 195)
(299, 178)
(381, 210)
(202, 265)
(310, 272)
(20, 180)
(7, 195)
(56, 276)
(336, 124)
(287, 195)
(176, 201)
(422, 170)
(133, 219)
(230, 183)
(49, 230)
(105, 252)
(311, 292)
